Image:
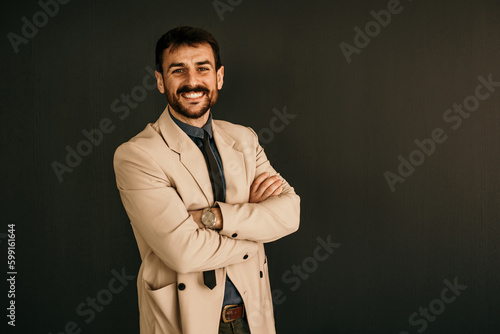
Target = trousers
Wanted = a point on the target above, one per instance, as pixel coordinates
(238, 326)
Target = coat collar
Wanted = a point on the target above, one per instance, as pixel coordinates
(192, 158)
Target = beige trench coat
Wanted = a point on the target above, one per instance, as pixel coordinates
(161, 174)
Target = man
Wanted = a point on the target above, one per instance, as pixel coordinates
(202, 199)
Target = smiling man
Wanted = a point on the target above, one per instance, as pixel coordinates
(202, 198)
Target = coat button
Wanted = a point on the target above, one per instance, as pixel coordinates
(245, 257)
(181, 286)
(261, 274)
(235, 235)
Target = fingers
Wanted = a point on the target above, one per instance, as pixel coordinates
(278, 190)
(270, 186)
(258, 181)
(264, 187)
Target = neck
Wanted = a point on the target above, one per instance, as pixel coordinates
(198, 122)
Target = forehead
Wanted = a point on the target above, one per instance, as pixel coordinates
(187, 53)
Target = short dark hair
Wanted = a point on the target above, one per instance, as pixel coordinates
(185, 36)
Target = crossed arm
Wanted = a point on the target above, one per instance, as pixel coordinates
(162, 223)
(263, 187)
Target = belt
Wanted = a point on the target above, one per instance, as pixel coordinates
(232, 312)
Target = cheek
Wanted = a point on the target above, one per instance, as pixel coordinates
(170, 87)
(215, 83)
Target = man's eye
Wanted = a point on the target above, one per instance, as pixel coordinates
(177, 70)
(203, 69)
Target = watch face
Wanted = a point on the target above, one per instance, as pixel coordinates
(208, 218)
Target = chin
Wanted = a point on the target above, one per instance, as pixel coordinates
(196, 115)
(192, 113)
(189, 110)
(195, 112)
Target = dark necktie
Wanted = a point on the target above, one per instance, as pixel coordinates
(213, 169)
(218, 190)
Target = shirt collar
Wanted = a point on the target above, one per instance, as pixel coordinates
(194, 131)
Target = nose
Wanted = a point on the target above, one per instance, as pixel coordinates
(192, 77)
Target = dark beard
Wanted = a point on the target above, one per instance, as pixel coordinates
(178, 107)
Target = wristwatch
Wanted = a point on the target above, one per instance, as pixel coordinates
(208, 218)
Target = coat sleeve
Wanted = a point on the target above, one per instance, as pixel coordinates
(268, 220)
(159, 215)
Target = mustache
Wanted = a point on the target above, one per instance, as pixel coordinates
(187, 89)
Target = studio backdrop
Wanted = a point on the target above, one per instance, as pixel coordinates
(382, 114)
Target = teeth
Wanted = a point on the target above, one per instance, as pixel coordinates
(193, 95)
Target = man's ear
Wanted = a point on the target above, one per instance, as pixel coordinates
(159, 82)
(220, 77)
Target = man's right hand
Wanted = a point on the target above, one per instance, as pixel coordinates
(264, 187)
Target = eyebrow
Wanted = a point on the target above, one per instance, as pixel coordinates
(205, 62)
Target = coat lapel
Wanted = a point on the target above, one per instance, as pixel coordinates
(233, 162)
(192, 158)
(189, 154)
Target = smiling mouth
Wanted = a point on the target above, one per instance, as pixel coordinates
(192, 95)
